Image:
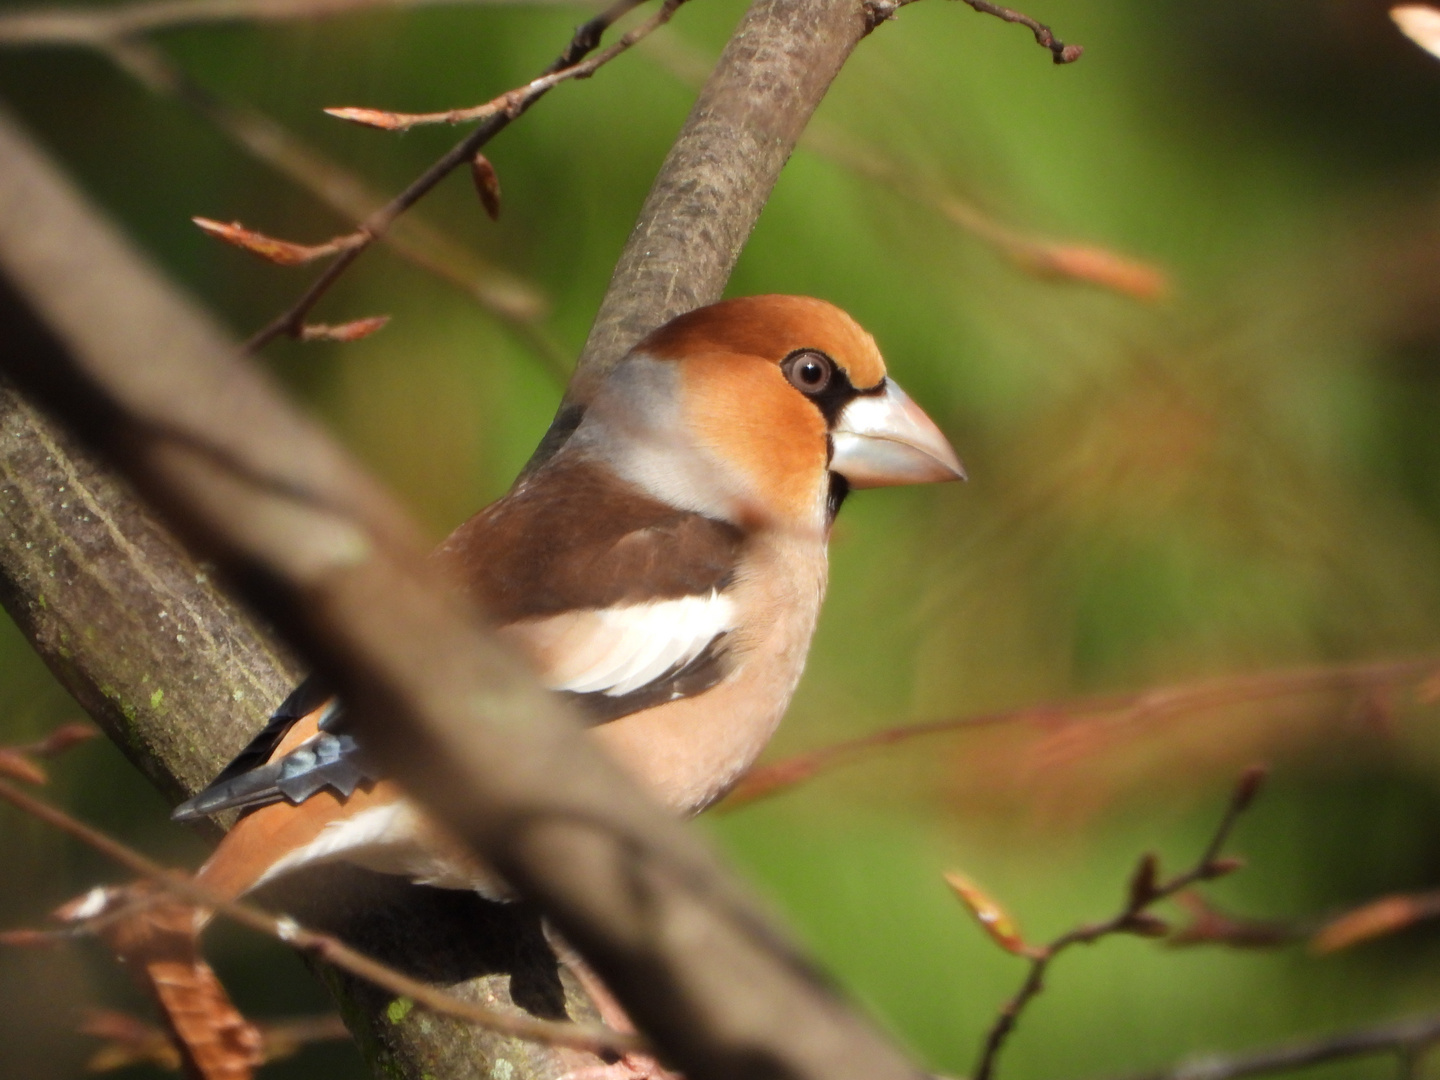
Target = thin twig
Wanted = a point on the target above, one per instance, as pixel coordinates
(1400, 1037)
(591, 1037)
(1059, 51)
(1133, 918)
(510, 101)
(1144, 705)
(291, 322)
(518, 304)
(95, 25)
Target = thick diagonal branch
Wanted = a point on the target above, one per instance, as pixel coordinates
(320, 549)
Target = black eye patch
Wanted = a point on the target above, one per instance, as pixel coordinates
(824, 382)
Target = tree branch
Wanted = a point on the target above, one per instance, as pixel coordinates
(332, 950)
(319, 548)
(1134, 917)
(291, 322)
(1402, 1038)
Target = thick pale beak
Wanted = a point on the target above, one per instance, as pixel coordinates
(881, 440)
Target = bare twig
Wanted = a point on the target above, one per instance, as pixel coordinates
(512, 101)
(1134, 917)
(1041, 257)
(1059, 51)
(1142, 706)
(95, 25)
(324, 946)
(517, 303)
(1403, 1038)
(292, 321)
(326, 554)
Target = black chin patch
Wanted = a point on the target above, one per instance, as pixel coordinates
(839, 488)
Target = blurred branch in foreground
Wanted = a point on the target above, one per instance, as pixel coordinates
(93, 913)
(99, 25)
(348, 552)
(1142, 706)
(1406, 1040)
(1146, 890)
(1052, 259)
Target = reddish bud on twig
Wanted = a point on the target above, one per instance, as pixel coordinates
(487, 184)
(993, 918)
(1387, 915)
(1142, 882)
(376, 118)
(1210, 926)
(280, 252)
(1248, 786)
(350, 331)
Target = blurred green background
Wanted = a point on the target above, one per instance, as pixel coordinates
(1241, 476)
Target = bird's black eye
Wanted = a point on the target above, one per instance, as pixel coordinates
(808, 371)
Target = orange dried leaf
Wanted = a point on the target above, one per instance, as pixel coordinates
(993, 918)
(1098, 266)
(350, 331)
(17, 766)
(376, 118)
(280, 252)
(1387, 915)
(1420, 23)
(487, 185)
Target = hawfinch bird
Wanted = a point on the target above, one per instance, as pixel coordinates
(661, 560)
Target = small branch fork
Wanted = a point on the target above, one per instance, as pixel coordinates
(1146, 889)
(1044, 36)
(591, 1037)
(569, 65)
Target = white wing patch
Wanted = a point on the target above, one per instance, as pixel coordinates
(617, 650)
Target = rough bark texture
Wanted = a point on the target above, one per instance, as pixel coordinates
(315, 545)
(180, 676)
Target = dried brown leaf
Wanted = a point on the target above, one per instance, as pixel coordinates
(993, 918)
(350, 331)
(1376, 919)
(280, 252)
(1099, 266)
(487, 184)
